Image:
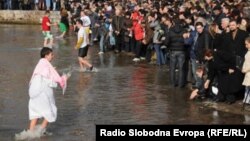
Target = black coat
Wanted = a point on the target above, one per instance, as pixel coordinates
(201, 44)
(175, 40)
(219, 67)
(235, 46)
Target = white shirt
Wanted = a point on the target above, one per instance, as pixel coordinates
(86, 21)
(83, 33)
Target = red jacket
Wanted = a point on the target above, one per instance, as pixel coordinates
(136, 17)
(138, 32)
(45, 27)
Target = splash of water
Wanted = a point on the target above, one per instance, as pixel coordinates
(38, 132)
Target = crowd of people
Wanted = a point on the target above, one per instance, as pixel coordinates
(202, 42)
(184, 35)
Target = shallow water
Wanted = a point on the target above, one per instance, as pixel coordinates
(121, 92)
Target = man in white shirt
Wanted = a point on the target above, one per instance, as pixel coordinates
(82, 45)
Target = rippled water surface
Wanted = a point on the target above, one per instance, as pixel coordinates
(121, 92)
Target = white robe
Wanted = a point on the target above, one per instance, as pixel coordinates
(42, 101)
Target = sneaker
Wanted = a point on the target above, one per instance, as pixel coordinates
(142, 58)
(136, 59)
(100, 52)
(91, 68)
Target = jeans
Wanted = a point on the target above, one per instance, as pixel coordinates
(94, 34)
(177, 58)
(194, 66)
(159, 54)
(8, 4)
(101, 43)
(54, 6)
(48, 4)
(247, 95)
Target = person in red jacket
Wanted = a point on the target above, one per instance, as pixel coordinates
(139, 33)
(46, 24)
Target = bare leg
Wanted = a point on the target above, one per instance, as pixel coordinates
(32, 124)
(45, 42)
(51, 42)
(44, 124)
(85, 62)
(62, 35)
(80, 63)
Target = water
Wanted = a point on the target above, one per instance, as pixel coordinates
(120, 92)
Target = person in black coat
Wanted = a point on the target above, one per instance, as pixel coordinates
(219, 63)
(233, 47)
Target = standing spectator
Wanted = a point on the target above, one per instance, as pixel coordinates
(127, 32)
(175, 42)
(246, 70)
(234, 49)
(117, 23)
(157, 38)
(48, 4)
(218, 15)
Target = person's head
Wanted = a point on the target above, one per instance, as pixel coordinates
(47, 12)
(217, 10)
(200, 71)
(79, 23)
(199, 27)
(226, 9)
(118, 10)
(47, 53)
(208, 55)
(189, 20)
(127, 15)
(167, 20)
(213, 29)
(233, 25)
(83, 13)
(247, 42)
(225, 23)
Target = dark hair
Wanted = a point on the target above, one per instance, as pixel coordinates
(199, 23)
(79, 21)
(208, 53)
(45, 51)
(47, 12)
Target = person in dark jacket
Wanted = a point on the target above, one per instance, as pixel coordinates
(127, 32)
(200, 41)
(117, 23)
(175, 43)
(234, 49)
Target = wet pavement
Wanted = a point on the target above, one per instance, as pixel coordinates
(121, 92)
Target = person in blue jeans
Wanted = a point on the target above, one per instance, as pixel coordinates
(176, 44)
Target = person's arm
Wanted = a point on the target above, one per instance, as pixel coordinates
(246, 65)
(79, 43)
(80, 39)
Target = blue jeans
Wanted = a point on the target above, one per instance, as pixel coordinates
(48, 4)
(159, 54)
(8, 4)
(101, 43)
(247, 95)
(195, 65)
(177, 58)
